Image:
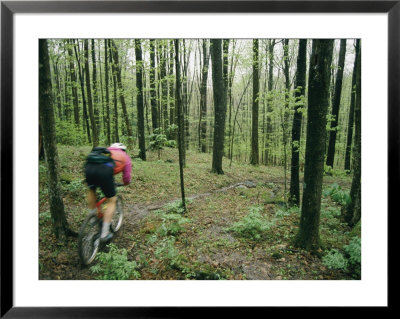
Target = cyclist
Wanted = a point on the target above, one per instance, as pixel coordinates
(102, 175)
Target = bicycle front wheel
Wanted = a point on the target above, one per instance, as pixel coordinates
(118, 216)
(89, 239)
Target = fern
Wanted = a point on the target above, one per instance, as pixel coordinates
(114, 265)
(253, 226)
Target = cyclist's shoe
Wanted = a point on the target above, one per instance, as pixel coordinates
(107, 238)
(96, 241)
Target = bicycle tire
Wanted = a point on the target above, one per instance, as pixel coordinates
(117, 219)
(89, 239)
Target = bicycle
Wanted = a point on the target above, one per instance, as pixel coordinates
(89, 234)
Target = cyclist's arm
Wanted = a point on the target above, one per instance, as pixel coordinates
(126, 173)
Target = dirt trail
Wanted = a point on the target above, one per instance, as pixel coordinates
(135, 212)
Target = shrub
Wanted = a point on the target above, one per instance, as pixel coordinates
(167, 252)
(330, 212)
(68, 134)
(335, 260)
(44, 217)
(287, 212)
(114, 265)
(157, 140)
(350, 261)
(337, 194)
(172, 224)
(252, 226)
(328, 170)
(75, 188)
(176, 207)
(171, 144)
(353, 249)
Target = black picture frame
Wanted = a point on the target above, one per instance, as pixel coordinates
(9, 8)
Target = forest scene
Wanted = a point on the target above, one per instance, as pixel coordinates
(246, 157)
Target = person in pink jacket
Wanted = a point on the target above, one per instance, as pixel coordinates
(102, 175)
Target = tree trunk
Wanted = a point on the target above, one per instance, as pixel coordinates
(286, 111)
(336, 105)
(107, 118)
(73, 83)
(229, 101)
(178, 105)
(171, 82)
(139, 99)
(95, 90)
(353, 211)
(294, 198)
(203, 96)
(318, 102)
(80, 72)
(164, 87)
(254, 156)
(270, 55)
(114, 78)
(351, 111)
(41, 147)
(219, 106)
(153, 102)
(58, 90)
(67, 85)
(185, 100)
(121, 94)
(89, 95)
(60, 224)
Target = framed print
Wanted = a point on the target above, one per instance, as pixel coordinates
(96, 73)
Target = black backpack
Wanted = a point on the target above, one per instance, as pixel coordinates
(100, 155)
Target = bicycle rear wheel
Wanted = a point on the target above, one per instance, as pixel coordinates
(89, 239)
(118, 216)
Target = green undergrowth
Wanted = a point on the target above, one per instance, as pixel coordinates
(240, 233)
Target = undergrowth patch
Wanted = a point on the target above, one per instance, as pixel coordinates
(236, 234)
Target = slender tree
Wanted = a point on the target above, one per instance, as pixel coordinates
(203, 95)
(336, 104)
(351, 111)
(318, 101)
(107, 117)
(73, 83)
(353, 211)
(153, 102)
(41, 148)
(121, 93)
(96, 98)
(164, 86)
(219, 105)
(89, 95)
(173, 115)
(47, 122)
(81, 80)
(67, 90)
(229, 102)
(270, 56)
(139, 98)
(115, 91)
(254, 158)
(285, 111)
(294, 198)
(178, 105)
(57, 91)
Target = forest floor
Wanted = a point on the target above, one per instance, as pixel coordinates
(209, 241)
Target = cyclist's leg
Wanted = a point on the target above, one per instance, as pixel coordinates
(92, 198)
(90, 178)
(108, 188)
(109, 212)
